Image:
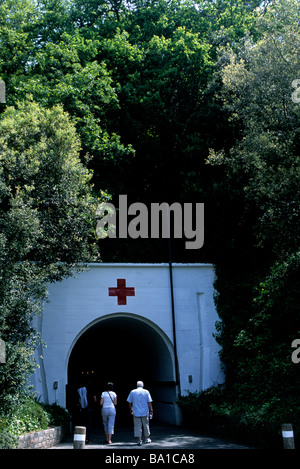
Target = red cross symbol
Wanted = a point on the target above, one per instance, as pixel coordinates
(121, 291)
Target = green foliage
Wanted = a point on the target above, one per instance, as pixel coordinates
(197, 408)
(264, 345)
(58, 416)
(30, 416)
(215, 410)
(260, 309)
(257, 92)
(17, 33)
(133, 77)
(46, 227)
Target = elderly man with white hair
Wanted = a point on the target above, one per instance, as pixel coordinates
(140, 406)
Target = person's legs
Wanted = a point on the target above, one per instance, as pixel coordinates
(111, 424)
(137, 423)
(105, 422)
(89, 423)
(146, 426)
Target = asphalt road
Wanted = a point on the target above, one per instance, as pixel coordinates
(163, 437)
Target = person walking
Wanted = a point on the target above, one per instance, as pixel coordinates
(86, 400)
(140, 406)
(108, 402)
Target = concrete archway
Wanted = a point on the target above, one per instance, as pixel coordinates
(124, 348)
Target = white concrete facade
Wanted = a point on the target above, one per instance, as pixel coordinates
(83, 303)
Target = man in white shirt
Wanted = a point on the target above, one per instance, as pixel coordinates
(140, 406)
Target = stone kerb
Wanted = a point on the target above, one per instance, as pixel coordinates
(42, 439)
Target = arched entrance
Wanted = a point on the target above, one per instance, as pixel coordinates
(124, 348)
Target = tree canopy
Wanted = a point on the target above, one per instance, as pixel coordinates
(186, 101)
(47, 210)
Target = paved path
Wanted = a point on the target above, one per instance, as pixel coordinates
(163, 437)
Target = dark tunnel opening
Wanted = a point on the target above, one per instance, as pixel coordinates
(122, 349)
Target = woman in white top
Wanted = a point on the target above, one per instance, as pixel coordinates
(108, 402)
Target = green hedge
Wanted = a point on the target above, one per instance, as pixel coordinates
(30, 416)
(256, 423)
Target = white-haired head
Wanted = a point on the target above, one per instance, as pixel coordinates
(140, 384)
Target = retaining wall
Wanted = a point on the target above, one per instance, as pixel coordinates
(43, 439)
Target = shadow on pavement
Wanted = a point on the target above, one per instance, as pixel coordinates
(163, 437)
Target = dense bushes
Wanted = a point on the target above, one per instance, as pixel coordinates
(258, 423)
(29, 416)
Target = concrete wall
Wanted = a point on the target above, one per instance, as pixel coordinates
(78, 303)
(43, 439)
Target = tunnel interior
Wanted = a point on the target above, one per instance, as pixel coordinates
(121, 349)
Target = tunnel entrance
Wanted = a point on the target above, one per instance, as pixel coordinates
(124, 348)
